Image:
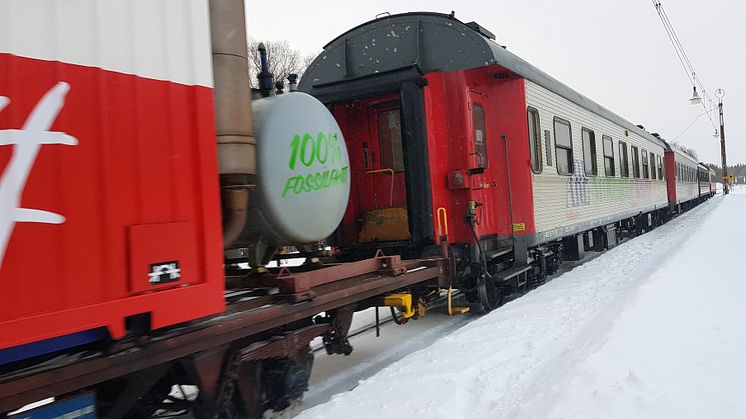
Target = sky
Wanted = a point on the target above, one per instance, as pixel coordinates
(615, 52)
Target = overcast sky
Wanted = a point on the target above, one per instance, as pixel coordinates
(615, 52)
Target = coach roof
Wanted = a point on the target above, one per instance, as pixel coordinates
(432, 42)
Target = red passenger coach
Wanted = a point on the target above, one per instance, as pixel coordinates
(685, 176)
(456, 143)
(109, 206)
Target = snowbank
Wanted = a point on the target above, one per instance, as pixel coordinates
(652, 328)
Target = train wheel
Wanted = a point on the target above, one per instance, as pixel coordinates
(490, 294)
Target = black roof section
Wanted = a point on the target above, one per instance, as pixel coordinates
(432, 42)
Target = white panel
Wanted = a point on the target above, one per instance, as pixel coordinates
(159, 39)
(561, 200)
(685, 191)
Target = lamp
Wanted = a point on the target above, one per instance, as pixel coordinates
(696, 99)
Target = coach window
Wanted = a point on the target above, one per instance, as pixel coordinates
(645, 172)
(563, 146)
(480, 141)
(390, 141)
(589, 152)
(623, 160)
(608, 156)
(652, 165)
(660, 168)
(534, 139)
(635, 162)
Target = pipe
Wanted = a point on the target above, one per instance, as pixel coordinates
(235, 210)
(233, 115)
(293, 79)
(265, 77)
(510, 192)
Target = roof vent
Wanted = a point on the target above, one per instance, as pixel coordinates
(476, 27)
(656, 135)
(641, 127)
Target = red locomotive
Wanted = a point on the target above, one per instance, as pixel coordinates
(122, 152)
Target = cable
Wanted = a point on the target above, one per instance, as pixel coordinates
(687, 128)
(672, 38)
(686, 64)
(683, 121)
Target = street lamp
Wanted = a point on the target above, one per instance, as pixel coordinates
(695, 100)
(719, 93)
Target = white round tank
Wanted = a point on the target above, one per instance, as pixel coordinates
(303, 180)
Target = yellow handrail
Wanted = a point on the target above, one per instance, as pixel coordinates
(391, 172)
(442, 225)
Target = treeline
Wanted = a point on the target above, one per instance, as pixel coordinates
(735, 170)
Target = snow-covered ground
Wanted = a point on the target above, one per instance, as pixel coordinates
(655, 328)
(333, 374)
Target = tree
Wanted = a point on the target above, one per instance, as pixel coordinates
(283, 60)
(684, 149)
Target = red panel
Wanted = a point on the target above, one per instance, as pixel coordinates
(143, 153)
(670, 161)
(166, 248)
(448, 102)
(448, 117)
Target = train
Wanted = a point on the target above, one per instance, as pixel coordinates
(450, 132)
(147, 194)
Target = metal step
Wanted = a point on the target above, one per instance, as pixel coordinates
(511, 272)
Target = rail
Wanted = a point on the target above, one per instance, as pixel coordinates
(391, 172)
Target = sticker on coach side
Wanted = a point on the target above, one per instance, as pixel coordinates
(164, 272)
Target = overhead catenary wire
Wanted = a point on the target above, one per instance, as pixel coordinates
(683, 121)
(685, 62)
(687, 128)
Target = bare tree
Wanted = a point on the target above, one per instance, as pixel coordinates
(283, 60)
(688, 150)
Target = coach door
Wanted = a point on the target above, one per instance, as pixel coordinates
(382, 183)
(482, 164)
(390, 198)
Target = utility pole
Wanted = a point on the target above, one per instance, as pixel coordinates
(720, 93)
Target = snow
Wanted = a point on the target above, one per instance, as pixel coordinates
(333, 374)
(651, 329)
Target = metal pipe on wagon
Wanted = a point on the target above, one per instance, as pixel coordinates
(233, 114)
